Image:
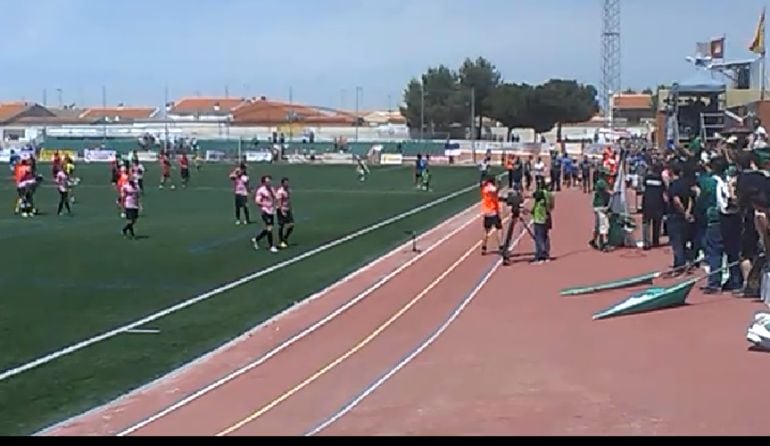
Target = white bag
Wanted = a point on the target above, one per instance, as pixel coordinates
(759, 332)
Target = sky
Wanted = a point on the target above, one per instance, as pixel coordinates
(319, 51)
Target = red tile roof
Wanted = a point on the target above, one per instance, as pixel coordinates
(268, 112)
(9, 110)
(632, 102)
(205, 105)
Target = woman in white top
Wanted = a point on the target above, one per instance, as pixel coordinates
(538, 170)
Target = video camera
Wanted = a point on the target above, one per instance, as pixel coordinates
(515, 200)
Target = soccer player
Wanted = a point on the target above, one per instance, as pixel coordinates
(285, 215)
(265, 199)
(69, 169)
(122, 181)
(361, 169)
(165, 170)
(240, 181)
(20, 170)
(63, 186)
(130, 194)
(198, 160)
(57, 164)
(490, 212)
(114, 172)
(184, 170)
(137, 173)
(420, 165)
(426, 179)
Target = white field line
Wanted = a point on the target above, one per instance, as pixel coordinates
(224, 288)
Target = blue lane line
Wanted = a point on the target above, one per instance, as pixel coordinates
(411, 355)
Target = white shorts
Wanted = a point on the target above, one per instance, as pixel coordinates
(602, 221)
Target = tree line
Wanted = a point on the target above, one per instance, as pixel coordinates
(442, 99)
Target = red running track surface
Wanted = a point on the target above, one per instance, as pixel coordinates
(519, 360)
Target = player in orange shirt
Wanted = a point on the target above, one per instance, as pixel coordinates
(123, 178)
(19, 173)
(490, 212)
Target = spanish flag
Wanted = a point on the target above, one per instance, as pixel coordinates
(758, 44)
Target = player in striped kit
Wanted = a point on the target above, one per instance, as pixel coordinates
(284, 213)
(265, 199)
(240, 181)
(63, 186)
(130, 193)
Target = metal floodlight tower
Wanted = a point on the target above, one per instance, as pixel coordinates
(611, 81)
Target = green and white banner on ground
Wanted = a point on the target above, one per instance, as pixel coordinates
(651, 299)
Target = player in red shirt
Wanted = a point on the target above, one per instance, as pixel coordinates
(165, 170)
(184, 169)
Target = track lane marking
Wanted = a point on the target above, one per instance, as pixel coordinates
(414, 353)
(360, 345)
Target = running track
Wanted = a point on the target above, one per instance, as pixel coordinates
(456, 345)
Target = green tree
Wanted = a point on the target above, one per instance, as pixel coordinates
(437, 88)
(561, 101)
(508, 104)
(481, 77)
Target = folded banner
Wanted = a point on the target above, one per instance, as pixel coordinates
(614, 285)
(650, 300)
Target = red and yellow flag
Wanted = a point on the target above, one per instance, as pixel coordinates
(758, 44)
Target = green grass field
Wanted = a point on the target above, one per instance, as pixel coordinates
(64, 280)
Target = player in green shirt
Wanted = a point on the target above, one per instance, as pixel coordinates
(601, 202)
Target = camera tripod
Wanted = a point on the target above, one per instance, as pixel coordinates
(506, 251)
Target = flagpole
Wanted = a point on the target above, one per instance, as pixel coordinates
(763, 87)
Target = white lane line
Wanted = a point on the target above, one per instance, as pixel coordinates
(256, 363)
(353, 350)
(422, 347)
(227, 287)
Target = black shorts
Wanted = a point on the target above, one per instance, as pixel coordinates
(132, 214)
(285, 218)
(240, 201)
(21, 191)
(185, 174)
(493, 221)
(749, 237)
(268, 219)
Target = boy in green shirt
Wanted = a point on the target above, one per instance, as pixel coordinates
(541, 219)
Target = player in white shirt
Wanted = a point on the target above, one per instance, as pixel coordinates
(63, 186)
